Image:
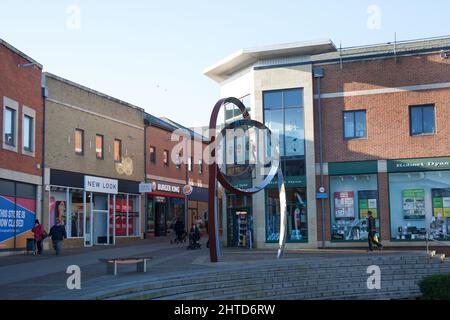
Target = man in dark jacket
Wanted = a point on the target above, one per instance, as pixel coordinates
(58, 234)
(372, 230)
(179, 229)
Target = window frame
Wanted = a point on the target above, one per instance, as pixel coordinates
(422, 107)
(120, 150)
(103, 146)
(200, 166)
(13, 106)
(152, 154)
(79, 153)
(190, 164)
(30, 133)
(354, 137)
(166, 157)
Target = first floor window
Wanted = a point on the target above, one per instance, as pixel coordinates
(422, 120)
(352, 197)
(27, 135)
(190, 164)
(166, 157)
(153, 155)
(79, 141)
(297, 223)
(200, 166)
(355, 124)
(117, 150)
(99, 146)
(10, 127)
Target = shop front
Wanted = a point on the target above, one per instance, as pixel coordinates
(239, 221)
(419, 192)
(94, 210)
(198, 209)
(353, 193)
(17, 213)
(165, 205)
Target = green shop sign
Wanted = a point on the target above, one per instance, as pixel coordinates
(347, 168)
(412, 165)
(290, 182)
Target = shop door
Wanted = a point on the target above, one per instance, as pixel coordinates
(160, 218)
(242, 226)
(100, 219)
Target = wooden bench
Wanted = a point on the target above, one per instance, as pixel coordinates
(111, 264)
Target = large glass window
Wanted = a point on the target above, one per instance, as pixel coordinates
(27, 135)
(419, 201)
(233, 113)
(422, 120)
(153, 155)
(9, 126)
(284, 116)
(297, 223)
(352, 197)
(355, 124)
(76, 214)
(79, 141)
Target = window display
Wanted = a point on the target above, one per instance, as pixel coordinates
(297, 222)
(420, 203)
(353, 197)
(76, 215)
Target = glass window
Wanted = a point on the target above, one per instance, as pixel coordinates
(294, 132)
(354, 124)
(133, 216)
(117, 150)
(352, 197)
(76, 215)
(153, 155)
(9, 129)
(293, 98)
(297, 222)
(190, 164)
(99, 146)
(166, 157)
(79, 141)
(419, 201)
(273, 100)
(200, 166)
(178, 161)
(27, 135)
(422, 120)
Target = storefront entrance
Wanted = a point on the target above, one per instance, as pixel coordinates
(160, 216)
(239, 221)
(96, 223)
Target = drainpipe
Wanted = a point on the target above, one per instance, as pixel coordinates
(44, 101)
(318, 74)
(146, 123)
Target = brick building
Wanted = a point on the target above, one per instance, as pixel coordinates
(169, 170)
(385, 147)
(21, 124)
(94, 164)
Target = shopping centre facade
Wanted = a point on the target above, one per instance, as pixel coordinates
(368, 124)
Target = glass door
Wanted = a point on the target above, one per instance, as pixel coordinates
(87, 215)
(100, 221)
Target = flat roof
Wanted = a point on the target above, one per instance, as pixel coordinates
(246, 57)
(100, 94)
(20, 53)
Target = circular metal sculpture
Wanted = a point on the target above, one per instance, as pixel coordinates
(216, 175)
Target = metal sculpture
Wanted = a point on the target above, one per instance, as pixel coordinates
(215, 175)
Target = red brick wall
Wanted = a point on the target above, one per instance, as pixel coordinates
(387, 114)
(161, 140)
(24, 86)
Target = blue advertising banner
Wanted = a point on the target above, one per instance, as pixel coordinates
(15, 219)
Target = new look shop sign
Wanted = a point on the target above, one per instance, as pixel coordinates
(101, 185)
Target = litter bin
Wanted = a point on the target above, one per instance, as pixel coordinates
(31, 245)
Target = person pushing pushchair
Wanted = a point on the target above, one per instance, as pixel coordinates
(194, 238)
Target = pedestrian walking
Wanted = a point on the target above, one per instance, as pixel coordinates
(58, 234)
(179, 230)
(38, 231)
(372, 230)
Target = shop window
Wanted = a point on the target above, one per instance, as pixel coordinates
(76, 214)
(99, 146)
(27, 134)
(166, 157)
(79, 142)
(297, 222)
(352, 198)
(9, 127)
(355, 124)
(153, 155)
(422, 120)
(117, 150)
(133, 216)
(57, 206)
(420, 201)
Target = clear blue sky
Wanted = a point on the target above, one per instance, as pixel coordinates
(153, 53)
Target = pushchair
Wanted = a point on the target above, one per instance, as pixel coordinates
(178, 240)
(194, 238)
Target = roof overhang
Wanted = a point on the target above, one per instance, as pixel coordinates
(247, 57)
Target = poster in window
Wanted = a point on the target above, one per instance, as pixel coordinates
(344, 205)
(367, 201)
(441, 203)
(414, 204)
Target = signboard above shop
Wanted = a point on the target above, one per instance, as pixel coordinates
(145, 187)
(413, 165)
(101, 185)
